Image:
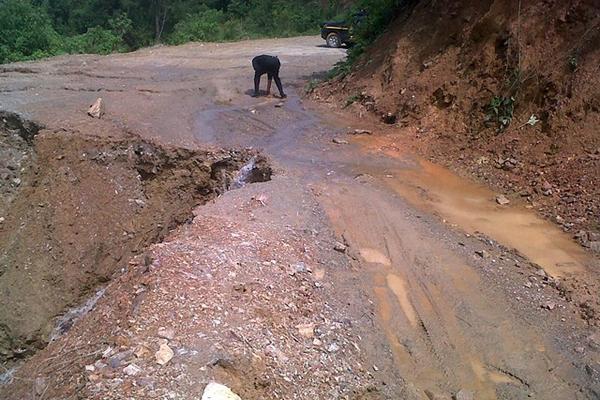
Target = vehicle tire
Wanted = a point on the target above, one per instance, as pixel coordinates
(333, 40)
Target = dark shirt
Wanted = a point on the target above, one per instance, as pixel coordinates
(266, 64)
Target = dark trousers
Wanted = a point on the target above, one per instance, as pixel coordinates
(267, 65)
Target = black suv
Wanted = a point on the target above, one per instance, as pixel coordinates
(338, 33)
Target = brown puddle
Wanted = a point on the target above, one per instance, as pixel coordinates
(473, 208)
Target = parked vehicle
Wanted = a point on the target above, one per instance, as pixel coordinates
(338, 33)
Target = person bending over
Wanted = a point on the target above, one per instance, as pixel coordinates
(269, 65)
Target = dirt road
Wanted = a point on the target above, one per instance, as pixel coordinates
(359, 271)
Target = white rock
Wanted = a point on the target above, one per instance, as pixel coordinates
(306, 330)
(339, 247)
(339, 141)
(132, 370)
(97, 109)
(333, 347)
(216, 391)
(502, 200)
(360, 132)
(164, 354)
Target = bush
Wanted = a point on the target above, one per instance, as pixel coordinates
(380, 14)
(205, 26)
(95, 41)
(25, 32)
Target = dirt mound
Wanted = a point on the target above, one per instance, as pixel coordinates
(508, 91)
(83, 206)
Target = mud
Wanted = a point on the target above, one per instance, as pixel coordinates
(439, 78)
(410, 310)
(84, 206)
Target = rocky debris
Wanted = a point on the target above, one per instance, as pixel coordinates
(222, 284)
(164, 354)
(340, 247)
(39, 386)
(502, 200)
(482, 253)
(339, 141)
(546, 188)
(306, 330)
(594, 341)
(589, 239)
(89, 178)
(132, 370)
(299, 268)
(333, 347)
(166, 333)
(549, 305)
(96, 110)
(389, 118)
(279, 105)
(540, 272)
(431, 395)
(507, 164)
(360, 132)
(464, 394)
(217, 391)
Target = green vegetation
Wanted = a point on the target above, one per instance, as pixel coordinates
(381, 13)
(25, 32)
(500, 110)
(32, 29)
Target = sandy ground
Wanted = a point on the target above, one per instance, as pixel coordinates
(359, 271)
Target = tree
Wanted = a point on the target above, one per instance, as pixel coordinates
(25, 32)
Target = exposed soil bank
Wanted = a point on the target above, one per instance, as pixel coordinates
(16, 136)
(450, 75)
(83, 206)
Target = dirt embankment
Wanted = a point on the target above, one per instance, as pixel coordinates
(507, 91)
(76, 208)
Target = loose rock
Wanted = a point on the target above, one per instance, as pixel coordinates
(164, 354)
(481, 253)
(339, 141)
(216, 391)
(97, 109)
(360, 132)
(166, 333)
(464, 394)
(333, 347)
(132, 370)
(306, 330)
(502, 200)
(339, 247)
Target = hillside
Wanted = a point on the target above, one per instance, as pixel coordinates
(507, 91)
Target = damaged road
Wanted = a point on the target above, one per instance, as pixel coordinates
(350, 274)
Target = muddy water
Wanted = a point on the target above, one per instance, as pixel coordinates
(473, 208)
(445, 328)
